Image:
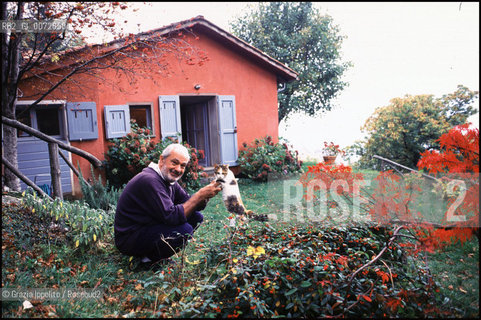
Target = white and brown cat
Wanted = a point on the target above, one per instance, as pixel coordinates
(231, 195)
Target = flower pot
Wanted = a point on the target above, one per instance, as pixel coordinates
(329, 159)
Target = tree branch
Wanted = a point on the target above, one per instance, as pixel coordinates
(23, 178)
(16, 124)
(394, 236)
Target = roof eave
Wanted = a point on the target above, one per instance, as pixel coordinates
(283, 73)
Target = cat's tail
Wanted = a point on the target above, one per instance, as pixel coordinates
(256, 217)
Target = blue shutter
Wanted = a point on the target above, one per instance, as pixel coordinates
(117, 121)
(169, 112)
(82, 121)
(228, 129)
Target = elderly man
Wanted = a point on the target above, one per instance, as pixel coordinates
(155, 216)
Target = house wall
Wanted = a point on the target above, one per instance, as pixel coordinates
(82, 88)
(225, 73)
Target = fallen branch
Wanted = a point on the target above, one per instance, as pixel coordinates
(394, 236)
(357, 301)
(474, 228)
(404, 167)
(390, 273)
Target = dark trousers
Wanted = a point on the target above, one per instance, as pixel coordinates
(161, 241)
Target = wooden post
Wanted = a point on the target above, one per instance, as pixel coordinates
(55, 170)
(71, 166)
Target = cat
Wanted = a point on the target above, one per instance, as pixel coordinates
(231, 195)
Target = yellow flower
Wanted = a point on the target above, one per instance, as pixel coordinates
(235, 260)
(76, 243)
(33, 210)
(255, 252)
(95, 237)
(193, 262)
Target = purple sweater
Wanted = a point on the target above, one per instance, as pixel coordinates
(148, 200)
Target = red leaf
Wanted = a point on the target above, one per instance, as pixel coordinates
(366, 298)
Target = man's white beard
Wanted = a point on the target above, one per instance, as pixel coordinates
(165, 175)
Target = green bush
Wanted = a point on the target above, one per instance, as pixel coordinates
(86, 225)
(97, 195)
(191, 180)
(304, 271)
(264, 158)
(130, 154)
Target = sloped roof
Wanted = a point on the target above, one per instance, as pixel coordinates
(283, 72)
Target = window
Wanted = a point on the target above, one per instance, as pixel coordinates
(142, 114)
(25, 118)
(48, 121)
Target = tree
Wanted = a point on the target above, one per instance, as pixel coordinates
(297, 35)
(458, 159)
(392, 203)
(408, 126)
(51, 60)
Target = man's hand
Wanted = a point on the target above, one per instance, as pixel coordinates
(203, 195)
(209, 190)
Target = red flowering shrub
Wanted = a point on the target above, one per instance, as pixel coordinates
(392, 197)
(264, 158)
(458, 162)
(328, 174)
(322, 181)
(136, 150)
(459, 152)
(304, 271)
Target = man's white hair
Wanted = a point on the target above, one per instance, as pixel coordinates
(178, 148)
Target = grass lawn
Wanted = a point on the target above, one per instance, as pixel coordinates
(34, 255)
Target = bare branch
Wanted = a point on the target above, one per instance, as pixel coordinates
(16, 124)
(394, 236)
(23, 178)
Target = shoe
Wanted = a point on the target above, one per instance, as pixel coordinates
(161, 264)
(145, 264)
(134, 263)
(139, 264)
(146, 260)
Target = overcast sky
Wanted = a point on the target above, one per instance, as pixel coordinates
(397, 48)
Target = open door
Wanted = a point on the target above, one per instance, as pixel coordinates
(206, 122)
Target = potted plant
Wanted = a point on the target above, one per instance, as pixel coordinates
(330, 152)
